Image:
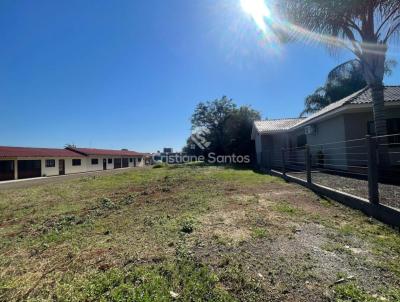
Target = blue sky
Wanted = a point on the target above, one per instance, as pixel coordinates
(128, 74)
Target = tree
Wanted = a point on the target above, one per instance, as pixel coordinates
(342, 81)
(212, 116)
(227, 127)
(238, 131)
(365, 27)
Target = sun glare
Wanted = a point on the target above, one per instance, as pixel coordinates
(258, 10)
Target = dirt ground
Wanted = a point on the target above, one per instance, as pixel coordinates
(191, 234)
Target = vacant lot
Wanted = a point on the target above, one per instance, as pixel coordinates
(190, 234)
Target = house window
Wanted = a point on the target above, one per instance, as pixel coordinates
(131, 160)
(110, 160)
(301, 140)
(50, 163)
(95, 161)
(139, 159)
(371, 128)
(76, 162)
(393, 127)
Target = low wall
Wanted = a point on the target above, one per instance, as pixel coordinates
(381, 212)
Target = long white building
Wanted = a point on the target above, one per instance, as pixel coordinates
(21, 162)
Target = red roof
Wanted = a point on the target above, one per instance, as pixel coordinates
(105, 152)
(36, 152)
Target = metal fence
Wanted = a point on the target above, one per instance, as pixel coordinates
(366, 167)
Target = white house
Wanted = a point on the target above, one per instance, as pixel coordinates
(21, 162)
(332, 131)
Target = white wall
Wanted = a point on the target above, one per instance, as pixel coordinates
(329, 138)
(51, 171)
(86, 164)
(356, 128)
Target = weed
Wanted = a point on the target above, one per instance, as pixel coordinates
(286, 208)
(187, 226)
(259, 233)
(106, 203)
(129, 199)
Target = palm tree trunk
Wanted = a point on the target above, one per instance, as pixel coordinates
(373, 62)
(378, 101)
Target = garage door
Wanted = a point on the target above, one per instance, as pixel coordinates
(125, 162)
(117, 163)
(6, 169)
(29, 168)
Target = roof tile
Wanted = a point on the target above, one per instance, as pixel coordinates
(363, 96)
(104, 152)
(276, 125)
(35, 152)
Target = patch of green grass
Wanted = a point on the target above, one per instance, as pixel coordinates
(335, 247)
(382, 238)
(350, 292)
(286, 208)
(243, 287)
(182, 280)
(259, 233)
(240, 176)
(325, 202)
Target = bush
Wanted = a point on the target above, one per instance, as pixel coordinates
(160, 165)
(187, 226)
(107, 203)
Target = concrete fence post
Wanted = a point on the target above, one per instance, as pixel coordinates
(283, 163)
(373, 186)
(308, 163)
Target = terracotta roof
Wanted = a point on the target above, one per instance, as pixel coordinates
(105, 152)
(277, 125)
(36, 152)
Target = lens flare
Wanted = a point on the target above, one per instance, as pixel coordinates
(258, 10)
(273, 27)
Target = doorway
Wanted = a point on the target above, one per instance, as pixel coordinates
(61, 167)
(117, 163)
(6, 169)
(29, 168)
(104, 164)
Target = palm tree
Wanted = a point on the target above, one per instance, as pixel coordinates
(342, 81)
(315, 102)
(365, 27)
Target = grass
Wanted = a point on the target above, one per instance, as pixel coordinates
(189, 233)
(188, 280)
(259, 233)
(286, 208)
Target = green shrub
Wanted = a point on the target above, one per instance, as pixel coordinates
(160, 165)
(107, 203)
